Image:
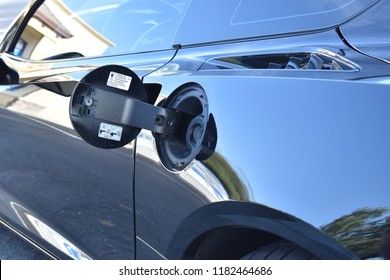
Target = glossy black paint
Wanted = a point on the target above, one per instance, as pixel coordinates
(296, 147)
(52, 167)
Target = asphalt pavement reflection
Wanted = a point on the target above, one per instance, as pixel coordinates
(13, 247)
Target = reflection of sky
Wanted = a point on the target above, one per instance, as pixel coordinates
(245, 13)
(94, 12)
(243, 19)
(317, 149)
(372, 24)
(91, 6)
(9, 9)
(132, 25)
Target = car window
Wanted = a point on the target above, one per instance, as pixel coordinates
(238, 19)
(74, 28)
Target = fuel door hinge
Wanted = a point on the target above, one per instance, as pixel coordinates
(105, 105)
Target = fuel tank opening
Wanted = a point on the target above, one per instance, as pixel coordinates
(191, 136)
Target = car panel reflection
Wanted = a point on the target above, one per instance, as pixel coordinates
(266, 129)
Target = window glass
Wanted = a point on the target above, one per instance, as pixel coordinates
(74, 28)
(239, 19)
(370, 31)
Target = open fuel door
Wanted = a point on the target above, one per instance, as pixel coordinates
(109, 108)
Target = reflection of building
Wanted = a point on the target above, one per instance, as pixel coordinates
(54, 29)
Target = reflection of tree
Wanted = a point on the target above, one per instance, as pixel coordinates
(229, 178)
(360, 231)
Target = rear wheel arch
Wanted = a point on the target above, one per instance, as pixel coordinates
(233, 230)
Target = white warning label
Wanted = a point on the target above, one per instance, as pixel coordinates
(118, 80)
(110, 132)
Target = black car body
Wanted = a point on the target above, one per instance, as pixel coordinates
(280, 149)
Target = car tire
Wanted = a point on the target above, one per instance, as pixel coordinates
(280, 251)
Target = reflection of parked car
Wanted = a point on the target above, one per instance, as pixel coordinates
(265, 128)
